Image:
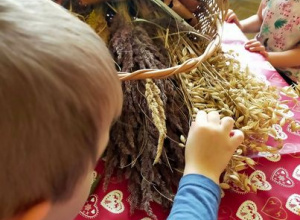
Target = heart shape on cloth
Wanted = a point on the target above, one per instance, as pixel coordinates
(225, 213)
(94, 175)
(285, 111)
(281, 177)
(289, 129)
(292, 149)
(248, 211)
(258, 179)
(296, 173)
(274, 209)
(236, 189)
(279, 133)
(90, 209)
(293, 204)
(291, 93)
(269, 156)
(276, 78)
(113, 202)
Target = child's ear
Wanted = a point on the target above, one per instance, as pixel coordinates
(37, 212)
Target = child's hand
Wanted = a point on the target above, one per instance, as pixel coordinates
(255, 46)
(231, 17)
(210, 145)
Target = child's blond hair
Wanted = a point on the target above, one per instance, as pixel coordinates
(58, 91)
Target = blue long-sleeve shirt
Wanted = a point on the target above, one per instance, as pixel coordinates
(197, 198)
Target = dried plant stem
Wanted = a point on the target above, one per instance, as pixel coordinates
(156, 106)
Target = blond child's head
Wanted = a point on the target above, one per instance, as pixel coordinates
(59, 94)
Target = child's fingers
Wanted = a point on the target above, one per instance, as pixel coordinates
(257, 49)
(227, 123)
(229, 12)
(255, 46)
(201, 118)
(181, 10)
(252, 43)
(237, 138)
(213, 117)
(231, 18)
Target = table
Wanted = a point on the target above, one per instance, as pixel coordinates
(277, 176)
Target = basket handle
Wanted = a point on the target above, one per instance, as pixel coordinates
(186, 66)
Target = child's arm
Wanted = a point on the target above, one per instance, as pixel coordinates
(198, 198)
(248, 25)
(210, 145)
(282, 59)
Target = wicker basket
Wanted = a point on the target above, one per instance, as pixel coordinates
(210, 15)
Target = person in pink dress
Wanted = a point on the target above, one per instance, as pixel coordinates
(278, 40)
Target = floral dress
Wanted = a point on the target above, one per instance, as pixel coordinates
(280, 30)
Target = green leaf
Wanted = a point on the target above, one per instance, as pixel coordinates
(265, 29)
(280, 23)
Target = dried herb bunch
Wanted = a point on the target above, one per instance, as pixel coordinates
(153, 119)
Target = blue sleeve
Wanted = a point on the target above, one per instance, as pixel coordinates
(197, 198)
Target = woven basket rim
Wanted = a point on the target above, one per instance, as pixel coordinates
(186, 66)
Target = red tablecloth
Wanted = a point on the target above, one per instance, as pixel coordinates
(277, 176)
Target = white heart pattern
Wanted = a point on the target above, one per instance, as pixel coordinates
(237, 189)
(248, 211)
(293, 204)
(113, 202)
(293, 149)
(90, 209)
(279, 132)
(276, 78)
(94, 175)
(289, 129)
(291, 93)
(288, 114)
(269, 156)
(258, 179)
(281, 177)
(296, 173)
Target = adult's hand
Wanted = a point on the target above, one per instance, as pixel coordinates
(184, 8)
